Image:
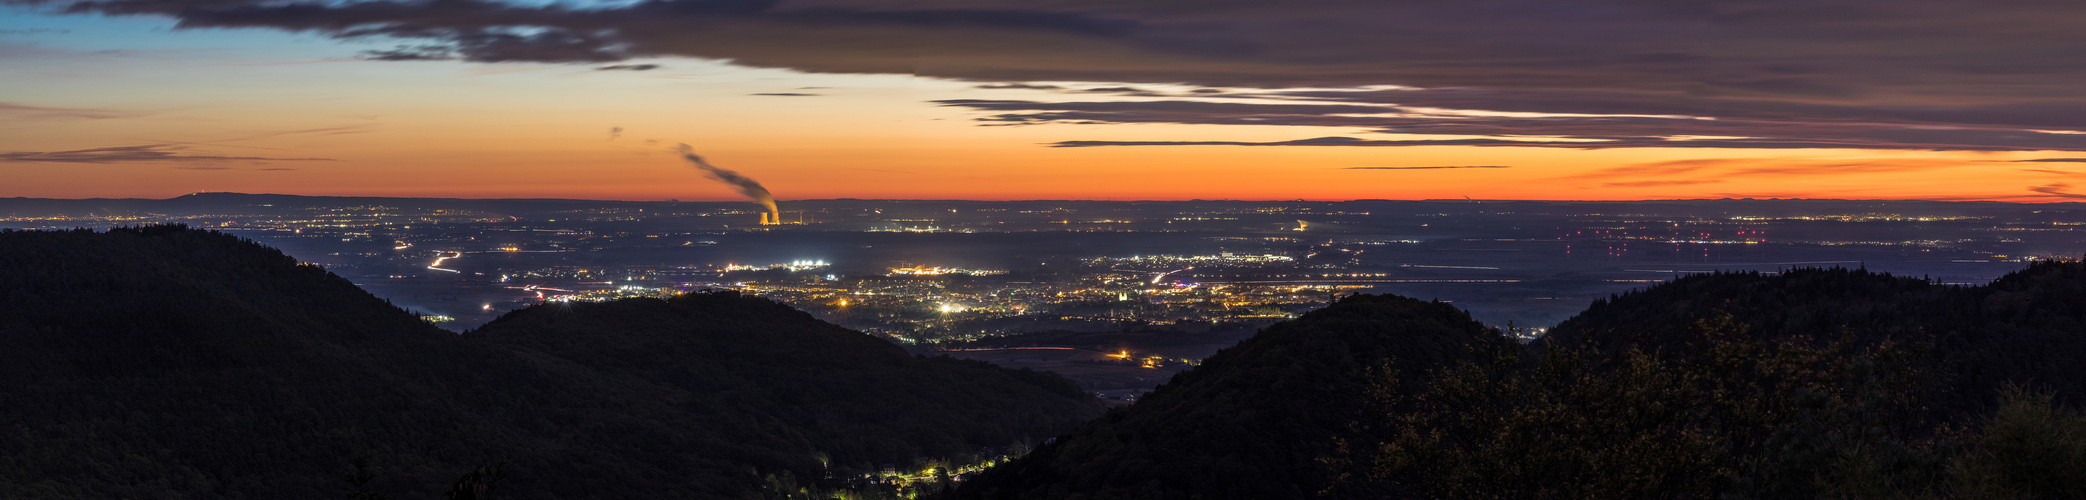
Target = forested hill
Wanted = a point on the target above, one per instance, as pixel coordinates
(163, 362)
(1812, 383)
(2027, 328)
(1256, 420)
(765, 384)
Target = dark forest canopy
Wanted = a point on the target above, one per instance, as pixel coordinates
(163, 362)
(1804, 384)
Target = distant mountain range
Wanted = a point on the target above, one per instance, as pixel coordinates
(166, 362)
(163, 362)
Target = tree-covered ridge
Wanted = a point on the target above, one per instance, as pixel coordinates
(1808, 383)
(1254, 420)
(2028, 327)
(163, 362)
(780, 381)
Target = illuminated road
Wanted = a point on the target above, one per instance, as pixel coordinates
(1161, 276)
(538, 290)
(1020, 348)
(1312, 281)
(437, 265)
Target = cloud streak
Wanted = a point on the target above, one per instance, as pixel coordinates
(2058, 190)
(1575, 143)
(1641, 184)
(28, 111)
(150, 153)
(1718, 170)
(1529, 129)
(1426, 168)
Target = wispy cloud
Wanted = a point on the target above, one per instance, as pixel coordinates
(2053, 160)
(1319, 141)
(1629, 142)
(2059, 190)
(1786, 168)
(1660, 168)
(1118, 90)
(24, 110)
(1026, 86)
(1426, 168)
(908, 172)
(230, 142)
(1639, 184)
(1561, 128)
(360, 128)
(786, 94)
(149, 153)
(1715, 170)
(420, 53)
(628, 67)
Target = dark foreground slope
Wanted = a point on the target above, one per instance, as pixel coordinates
(169, 363)
(2026, 329)
(713, 379)
(1256, 419)
(1806, 384)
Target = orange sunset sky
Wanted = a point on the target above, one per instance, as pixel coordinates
(157, 102)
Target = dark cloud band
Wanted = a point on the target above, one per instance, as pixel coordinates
(1529, 129)
(1612, 143)
(1909, 74)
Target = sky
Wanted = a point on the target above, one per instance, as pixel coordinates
(1047, 99)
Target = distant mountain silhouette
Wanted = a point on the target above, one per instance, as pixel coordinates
(164, 362)
(1805, 384)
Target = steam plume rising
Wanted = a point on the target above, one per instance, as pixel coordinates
(746, 186)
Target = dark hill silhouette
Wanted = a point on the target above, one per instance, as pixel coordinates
(1254, 420)
(2027, 328)
(163, 362)
(1804, 384)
